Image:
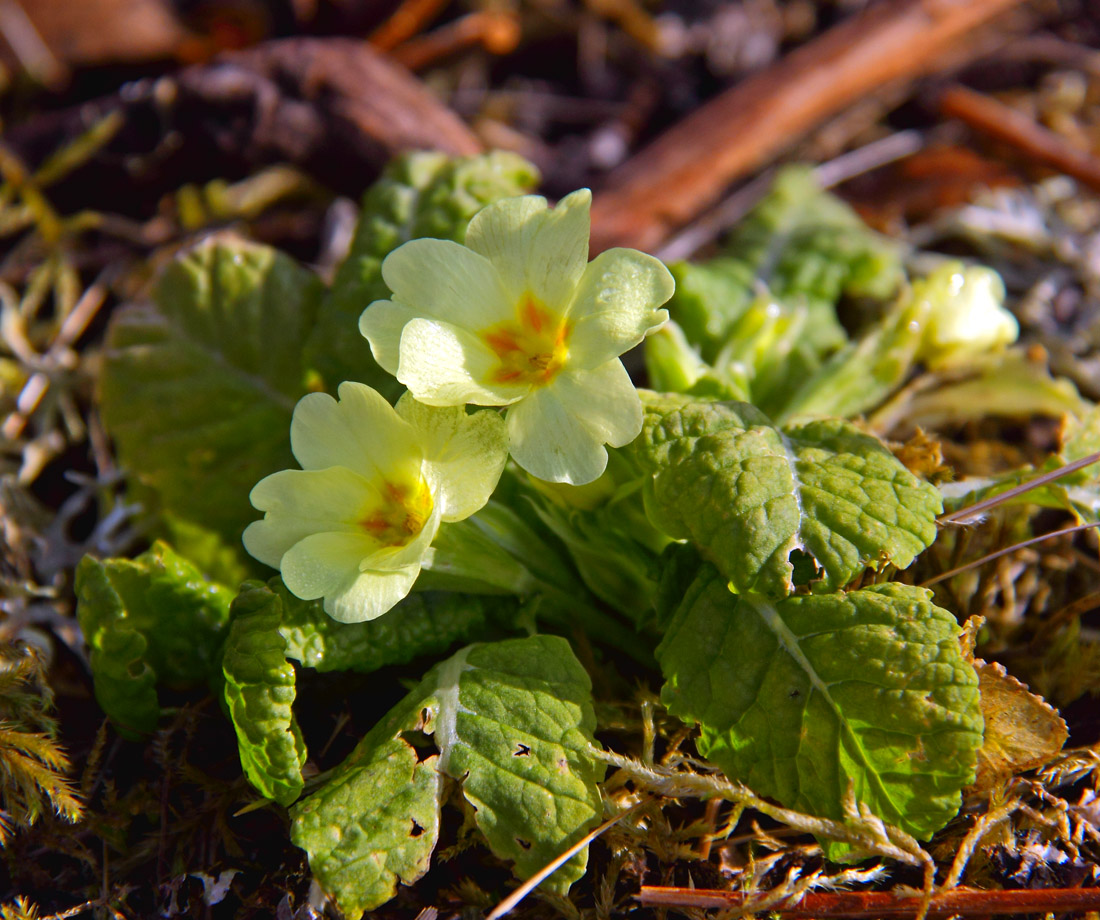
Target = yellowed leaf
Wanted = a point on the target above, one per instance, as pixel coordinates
(1022, 730)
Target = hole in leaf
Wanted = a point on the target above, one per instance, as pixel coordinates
(421, 743)
(522, 750)
(523, 843)
(416, 831)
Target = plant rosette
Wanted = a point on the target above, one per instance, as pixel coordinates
(518, 317)
(356, 523)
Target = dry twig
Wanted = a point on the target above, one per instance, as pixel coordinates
(994, 118)
(967, 902)
(687, 168)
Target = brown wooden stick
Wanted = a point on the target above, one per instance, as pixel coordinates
(995, 119)
(689, 167)
(407, 20)
(884, 904)
(496, 32)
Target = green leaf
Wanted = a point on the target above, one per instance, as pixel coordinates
(865, 371)
(419, 195)
(748, 493)
(148, 621)
(270, 625)
(806, 246)
(800, 697)
(424, 623)
(373, 824)
(1009, 384)
(513, 722)
(198, 387)
(259, 692)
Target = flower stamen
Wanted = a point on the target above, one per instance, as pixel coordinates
(532, 349)
(402, 515)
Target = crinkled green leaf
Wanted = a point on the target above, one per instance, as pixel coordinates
(259, 691)
(373, 824)
(198, 387)
(806, 246)
(748, 493)
(147, 621)
(419, 195)
(270, 625)
(424, 623)
(513, 722)
(800, 697)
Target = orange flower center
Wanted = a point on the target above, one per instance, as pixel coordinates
(532, 348)
(402, 514)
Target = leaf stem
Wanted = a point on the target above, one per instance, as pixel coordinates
(576, 613)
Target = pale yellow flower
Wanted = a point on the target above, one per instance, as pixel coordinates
(518, 317)
(356, 523)
(964, 314)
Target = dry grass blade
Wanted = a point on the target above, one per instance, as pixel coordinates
(510, 902)
(964, 515)
(989, 557)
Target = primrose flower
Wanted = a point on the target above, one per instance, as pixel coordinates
(356, 523)
(965, 314)
(518, 317)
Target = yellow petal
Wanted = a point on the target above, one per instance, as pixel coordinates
(381, 325)
(361, 432)
(302, 502)
(443, 365)
(370, 594)
(551, 443)
(604, 401)
(464, 455)
(447, 281)
(617, 304)
(323, 563)
(535, 249)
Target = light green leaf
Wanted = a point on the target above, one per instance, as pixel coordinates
(512, 722)
(270, 625)
(862, 373)
(748, 493)
(1009, 384)
(259, 691)
(373, 824)
(198, 387)
(147, 621)
(419, 195)
(800, 697)
(806, 246)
